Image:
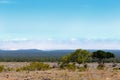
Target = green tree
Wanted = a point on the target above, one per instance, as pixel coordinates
(110, 55)
(79, 56)
(66, 59)
(82, 56)
(102, 55)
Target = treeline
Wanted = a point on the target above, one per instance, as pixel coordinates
(29, 59)
(48, 59)
(96, 56)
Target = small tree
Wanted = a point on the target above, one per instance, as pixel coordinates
(79, 56)
(100, 55)
(82, 56)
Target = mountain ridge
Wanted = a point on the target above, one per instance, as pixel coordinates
(45, 53)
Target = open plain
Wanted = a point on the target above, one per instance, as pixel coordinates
(59, 74)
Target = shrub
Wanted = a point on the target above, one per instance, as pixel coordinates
(115, 69)
(9, 69)
(34, 66)
(101, 67)
(85, 66)
(18, 69)
(82, 69)
(71, 67)
(1, 68)
(62, 65)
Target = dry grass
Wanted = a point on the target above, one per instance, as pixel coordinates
(57, 74)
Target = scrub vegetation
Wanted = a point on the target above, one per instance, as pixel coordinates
(78, 65)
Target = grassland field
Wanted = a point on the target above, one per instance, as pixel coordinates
(59, 74)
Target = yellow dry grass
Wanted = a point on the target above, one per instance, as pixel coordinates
(58, 74)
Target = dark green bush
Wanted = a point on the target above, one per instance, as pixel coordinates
(18, 69)
(2, 68)
(101, 67)
(85, 66)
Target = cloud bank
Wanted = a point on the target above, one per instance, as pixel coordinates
(51, 44)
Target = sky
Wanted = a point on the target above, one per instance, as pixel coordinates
(59, 24)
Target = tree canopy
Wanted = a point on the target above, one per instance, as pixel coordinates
(102, 54)
(79, 56)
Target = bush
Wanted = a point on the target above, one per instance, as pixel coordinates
(115, 69)
(71, 67)
(63, 65)
(85, 66)
(82, 69)
(34, 66)
(9, 69)
(1, 68)
(18, 69)
(101, 67)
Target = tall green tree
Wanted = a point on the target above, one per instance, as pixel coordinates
(99, 54)
(79, 56)
(82, 56)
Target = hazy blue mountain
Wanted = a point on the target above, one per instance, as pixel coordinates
(34, 52)
(42, 53)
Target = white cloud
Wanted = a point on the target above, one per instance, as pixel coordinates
(59, 44)
(20, 39)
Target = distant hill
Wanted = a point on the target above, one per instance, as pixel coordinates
(34, 53)
(42, 53)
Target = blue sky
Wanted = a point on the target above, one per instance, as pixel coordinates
(59, 24)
